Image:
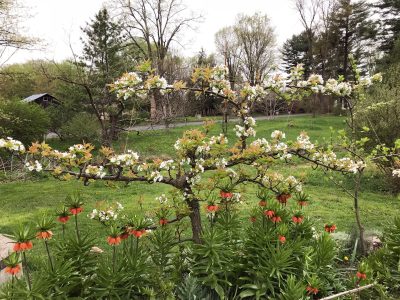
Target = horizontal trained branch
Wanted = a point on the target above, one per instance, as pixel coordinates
(349, 292)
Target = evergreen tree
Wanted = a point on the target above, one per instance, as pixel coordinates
(353, 32)
(295, 51)
(102, 47)
(103, 61)
(389, 11)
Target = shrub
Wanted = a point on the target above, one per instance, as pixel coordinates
(146, 259)
(82, 127)
(27, 122)
(378, 119)
(385, 262)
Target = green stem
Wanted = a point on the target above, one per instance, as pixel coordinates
(12, 287)
(27, 271)
(132, 245)
(77, 228)
(48, 254)
(63, 231)
(137, 245)
(114, 257)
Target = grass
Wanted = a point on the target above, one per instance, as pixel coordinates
(24, 201)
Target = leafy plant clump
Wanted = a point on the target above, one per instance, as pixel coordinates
(276, 253)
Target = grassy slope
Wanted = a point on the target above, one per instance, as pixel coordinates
(22, 201)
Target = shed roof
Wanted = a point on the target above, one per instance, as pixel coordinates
(35, 97)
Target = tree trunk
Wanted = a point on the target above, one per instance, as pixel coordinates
(357, 213)
(195, 220)
(153, 107)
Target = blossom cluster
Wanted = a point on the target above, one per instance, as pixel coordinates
(282, 184)
(107, 214)
(34, 166)
(330, 159)
(125, 86)
(126, 159)
(12, 145)
(242, 131)
(396, 173)
(156, 82)
(162, 199)
(97, 171)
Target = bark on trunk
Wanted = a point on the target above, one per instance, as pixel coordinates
(153, 107)
(195, 220)
(357, 213)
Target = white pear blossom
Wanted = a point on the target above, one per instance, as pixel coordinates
(396, 173)
(128, 159)
(277, 134)
(34, 166)
(167, 165)
(110, 213)
(221, 163)
(95, 170)
(12, 145)
(219, 72)
(156, 176)
(315, 79)
(162, 199)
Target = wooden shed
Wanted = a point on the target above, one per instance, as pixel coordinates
(43, 100)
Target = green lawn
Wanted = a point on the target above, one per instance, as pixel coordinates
(25, 200)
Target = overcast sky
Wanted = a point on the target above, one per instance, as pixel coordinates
(57, 22)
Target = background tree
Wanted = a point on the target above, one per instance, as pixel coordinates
(11, 38)
(227, 46)
(102, 61)
(353, 32)
(295, 51)
(389, 13)
(256, 40)
(153, 26)
(308, 12)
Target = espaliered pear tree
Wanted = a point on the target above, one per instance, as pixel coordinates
(248, 160)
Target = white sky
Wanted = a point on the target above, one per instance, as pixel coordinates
(57, 22)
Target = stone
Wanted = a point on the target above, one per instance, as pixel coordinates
(6, 247)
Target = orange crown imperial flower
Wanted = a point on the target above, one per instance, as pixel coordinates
(330, 228)
(76, 210)
(302, 203)
(262, 203)
(212, 208)
(138, 233)
(225, 195)
(163, 222)
(63, 219)
(361, 276)
(124, 235)
(297, 219)
(269, 213)
(283, 198)
(22, 246)
(276, 219)
(113, 240)
(282, 239)
(44, 235)
(12, 270)
(312, 290)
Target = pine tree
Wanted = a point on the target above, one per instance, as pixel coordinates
(101, 47)
(295, 51)
(103, 62)
(353, 32)
(389, 11)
